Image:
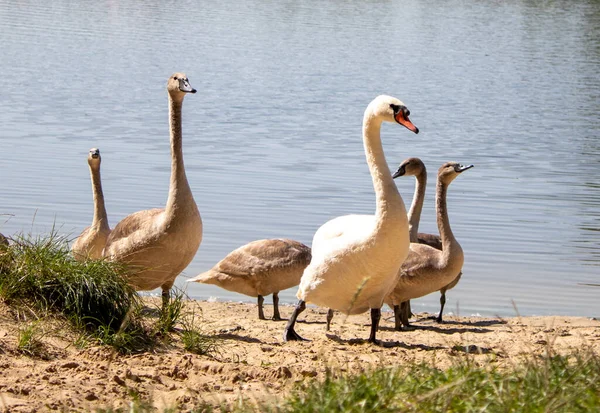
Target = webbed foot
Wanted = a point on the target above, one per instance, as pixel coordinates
(291, 335)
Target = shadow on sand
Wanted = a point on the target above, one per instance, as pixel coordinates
(479, 323)
(237, 337)
(438, 329)
(150, 311)
(385, 344)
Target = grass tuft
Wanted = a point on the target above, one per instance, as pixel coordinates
(29, 340)
(195, 340)
(39, 277)
(171, 312)
(40, 272)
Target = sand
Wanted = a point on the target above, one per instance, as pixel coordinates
(254, 362)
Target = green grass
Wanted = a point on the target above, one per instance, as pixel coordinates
(171, 313)
(39, 277)
(41, 273)
(195, 340)
(533, 385)
(550, 384)
(175, 318)
(29, 339)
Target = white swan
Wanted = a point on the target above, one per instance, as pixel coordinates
(415, 167)
(260, 268)
(92, 240)
(158, 244)
(426, 268)
(356, 257)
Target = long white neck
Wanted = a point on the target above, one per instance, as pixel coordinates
(414, 214)
(100, 219)
(388, 200)
(179, 189)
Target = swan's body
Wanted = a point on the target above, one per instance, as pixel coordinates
(158, 244)
(436, 242)
(427, 269)
(415, 167)
(260, 268)
(356, 258)
(92, 240)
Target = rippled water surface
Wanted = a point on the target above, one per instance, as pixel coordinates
(272, 140)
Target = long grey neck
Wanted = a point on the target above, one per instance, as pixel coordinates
(414, 214)
(388, 198)
(179, 189)
(448, 240)
(100, 217)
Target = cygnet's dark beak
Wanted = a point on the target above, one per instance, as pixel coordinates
(400, 172)
(462, 168)
(184, 86)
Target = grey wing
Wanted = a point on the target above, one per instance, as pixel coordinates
(132, 223)
(419, 262)
(430, 239)
(262, 256)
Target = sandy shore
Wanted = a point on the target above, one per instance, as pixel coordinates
(254, 362)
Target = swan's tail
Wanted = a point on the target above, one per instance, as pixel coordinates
(205, 277)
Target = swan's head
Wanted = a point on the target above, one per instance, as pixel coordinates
(178, 85)
(390, 109)
(94, 157)
(410, 167)
(451, 170)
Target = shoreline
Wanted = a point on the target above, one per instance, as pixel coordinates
(254, 362)
(419, 308)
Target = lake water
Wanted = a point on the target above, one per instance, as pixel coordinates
(272, 141)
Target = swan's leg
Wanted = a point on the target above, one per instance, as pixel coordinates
(442, 304)
(289, 333)
(276, 315)
(409, 310)
(165, 298)
(404, 313)
(375, 317)
(397, 318)
(261, 314)
(438, 318)
(329, 318)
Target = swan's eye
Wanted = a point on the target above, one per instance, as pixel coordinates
(174, 77)
(395, 108)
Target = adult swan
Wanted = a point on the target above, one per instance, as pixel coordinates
(356, 258)
(157, 244)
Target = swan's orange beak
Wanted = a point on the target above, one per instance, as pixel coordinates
(404, 121)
